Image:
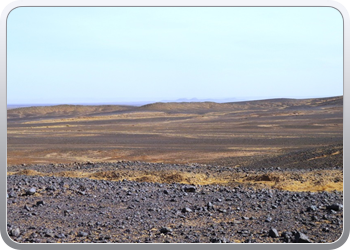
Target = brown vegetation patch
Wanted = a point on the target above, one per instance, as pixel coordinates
(73, 174)
(28, 172)
(174, 177)
(107, 175)
(145, 178)
(266, 177)
(320, 180)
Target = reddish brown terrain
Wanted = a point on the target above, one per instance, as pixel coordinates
(280, 158)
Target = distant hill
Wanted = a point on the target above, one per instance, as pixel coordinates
(197, 107)
(258, 104)
(63, 110)
(224, 100)
(332, 101)
(337, 100)
(172, 106)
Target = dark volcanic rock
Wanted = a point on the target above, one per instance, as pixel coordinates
(82, 234)
(217, 240)
(12, 195)
(15, 232)
(186, 210)
(190, 189)
(128, 211)
(38, 203)
(335, 207)
(301, 238)
(311, 208)
(165, 230)
(60, 236)
(287, 236)
(273, 233)
(31, 191)
(268, 219)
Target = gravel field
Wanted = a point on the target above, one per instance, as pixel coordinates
(48, 209)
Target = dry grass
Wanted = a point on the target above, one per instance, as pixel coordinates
(27, 172)
(321, 180)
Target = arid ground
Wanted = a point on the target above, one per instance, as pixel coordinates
(291, 148)
(172, 132)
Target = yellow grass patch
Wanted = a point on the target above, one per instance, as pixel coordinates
(27, 172)
(320, 180)
(133, 115)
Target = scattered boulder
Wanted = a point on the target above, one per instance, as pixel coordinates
(217, 240)
(335, 207)
(287, 236)
(16, 232)
(40, 203)
(190, 189)
(186, 210)
(27, 208)
(12, 195)
(31, 191)
(82, 234)
(273, 233)
(60, 236)
(301, 238)
(268, 219)
(311, 208)
(165, 230)
(128, 207)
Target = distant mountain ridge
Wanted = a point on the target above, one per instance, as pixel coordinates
(269, 103)
(88, 110)
(63, 110)
(224, 100)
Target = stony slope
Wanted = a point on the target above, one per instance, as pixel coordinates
(59, 209)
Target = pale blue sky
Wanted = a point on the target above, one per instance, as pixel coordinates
(73, 55)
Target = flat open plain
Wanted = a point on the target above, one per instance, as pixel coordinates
(230, 172)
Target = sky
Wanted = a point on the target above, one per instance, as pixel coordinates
(72, 55)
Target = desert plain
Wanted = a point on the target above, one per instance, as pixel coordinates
(192, 172)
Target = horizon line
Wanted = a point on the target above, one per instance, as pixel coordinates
(179, 100)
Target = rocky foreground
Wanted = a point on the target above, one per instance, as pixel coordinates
(49, 209)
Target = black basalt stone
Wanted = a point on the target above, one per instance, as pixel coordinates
(186, 210)
(31, 191)
(190, 189)
(273, 233)
(335, 207)
(165, 230)
(301, 238)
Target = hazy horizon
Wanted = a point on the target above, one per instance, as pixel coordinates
(179, 100)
